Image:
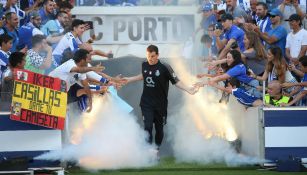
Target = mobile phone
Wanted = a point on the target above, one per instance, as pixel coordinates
(214, 6)
(90, 23)
(110, 55)
(73, 16)
(218, 26)
(234, 45)
(254, 22)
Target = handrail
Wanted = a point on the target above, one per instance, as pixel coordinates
(263, 92)
(148, 3)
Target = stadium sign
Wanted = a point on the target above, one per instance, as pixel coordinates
(39, 99)
(140, 29)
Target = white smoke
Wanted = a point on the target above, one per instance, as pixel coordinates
(107, 138)
(201, 129)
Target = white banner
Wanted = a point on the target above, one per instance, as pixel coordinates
(140, 29)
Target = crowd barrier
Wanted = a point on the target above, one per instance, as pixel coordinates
(21, 142)
(275, 134)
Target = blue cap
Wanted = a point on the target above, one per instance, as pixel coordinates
(275, 12)
(207, 7)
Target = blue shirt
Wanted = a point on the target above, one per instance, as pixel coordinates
(14, 34)
(113, 2)
(208, 21)
(239, 72)
(281, 34)
(45, 17)
(52, 27)
(264, 24)
(304, 78)
(237, 34)
(214, 49)
(131, 2)
(26, 36)
(244, 97)
(4, 60)
(4, 57)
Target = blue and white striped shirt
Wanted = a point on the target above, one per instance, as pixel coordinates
(264, 24)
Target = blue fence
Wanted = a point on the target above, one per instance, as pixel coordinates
(285, 133)
(21, 140)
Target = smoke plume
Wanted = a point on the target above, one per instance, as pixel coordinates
(201, 129)
(106, 138)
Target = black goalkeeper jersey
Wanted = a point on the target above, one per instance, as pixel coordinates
(156, 84)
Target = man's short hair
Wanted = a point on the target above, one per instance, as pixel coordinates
(206, 39)
(80, 55)
(234, 82)
(226, 16)
(5, 38)
(152, 48)
(60, 14)
(16, 58)
(64, 5)
(76, 23)
(46, 1)
(37, 39)
(8, 15)
(211, 25)
(264, 5)
(303, 60)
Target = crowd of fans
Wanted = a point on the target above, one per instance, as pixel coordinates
(251, 45)
(40, 38)
(135, 2)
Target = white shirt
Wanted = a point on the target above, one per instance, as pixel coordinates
(2, 63)
(296, 41)
(244, 4)
(68, 41)
(35, 30)
(92, 75)
(7, 54)
(61, 29)
(20, 13)
(221, 6)
(3, 2)
(6, 73)
(64, 73)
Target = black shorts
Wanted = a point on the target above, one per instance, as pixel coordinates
(72, 93)
(154, 115)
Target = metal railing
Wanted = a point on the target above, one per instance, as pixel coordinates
(5, 101)
(136, 2)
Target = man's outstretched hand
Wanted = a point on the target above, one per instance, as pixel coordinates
(193, 90)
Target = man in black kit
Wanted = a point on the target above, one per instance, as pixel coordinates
(156, 76)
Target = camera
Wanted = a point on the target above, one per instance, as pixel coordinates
(234, 45)
(214, 6)
(110, 55)
(90, 23)
(218, 26)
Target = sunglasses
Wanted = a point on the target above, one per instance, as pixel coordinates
(272, 16)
